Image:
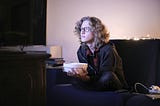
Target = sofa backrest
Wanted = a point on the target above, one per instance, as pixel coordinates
(141, 60)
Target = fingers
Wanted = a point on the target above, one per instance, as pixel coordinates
(71, 72)
(85, 71)
(77, 72)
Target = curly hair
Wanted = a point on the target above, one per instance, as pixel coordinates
(100, 32)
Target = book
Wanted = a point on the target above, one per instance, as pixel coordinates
(55, 62)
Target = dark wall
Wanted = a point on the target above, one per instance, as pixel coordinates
(27, 17)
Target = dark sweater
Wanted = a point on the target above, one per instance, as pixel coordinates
(107, 60)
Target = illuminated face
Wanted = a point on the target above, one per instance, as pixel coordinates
(86, 32)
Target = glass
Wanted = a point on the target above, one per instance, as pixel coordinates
(86, 29)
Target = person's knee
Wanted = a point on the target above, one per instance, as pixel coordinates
(110, 81)
(107, 76)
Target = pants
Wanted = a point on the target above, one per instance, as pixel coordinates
(108, 81)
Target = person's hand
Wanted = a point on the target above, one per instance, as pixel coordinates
(71, 72)
(79, 73)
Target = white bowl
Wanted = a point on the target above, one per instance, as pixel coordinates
(69, 66)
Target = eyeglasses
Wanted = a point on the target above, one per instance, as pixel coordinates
(86, 29)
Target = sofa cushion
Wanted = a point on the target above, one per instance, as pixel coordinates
(142, 100)
(70, 96)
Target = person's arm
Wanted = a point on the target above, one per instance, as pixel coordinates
(110, 61)
(83, 59)
(80, 73)
(106, 60)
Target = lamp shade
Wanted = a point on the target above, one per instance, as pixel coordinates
(55, 51)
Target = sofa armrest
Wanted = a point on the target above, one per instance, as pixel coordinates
(55, 76)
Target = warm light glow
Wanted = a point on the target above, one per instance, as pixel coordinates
(136, 38)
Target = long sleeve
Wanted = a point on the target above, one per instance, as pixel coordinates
(81, 53)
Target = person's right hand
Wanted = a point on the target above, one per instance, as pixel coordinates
(72, 72)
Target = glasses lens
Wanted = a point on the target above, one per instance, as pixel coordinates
(86, 29)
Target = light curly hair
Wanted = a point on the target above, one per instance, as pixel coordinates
(99, 30)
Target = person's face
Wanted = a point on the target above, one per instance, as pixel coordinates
(86, 32)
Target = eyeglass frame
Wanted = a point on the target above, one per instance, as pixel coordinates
(86, 29)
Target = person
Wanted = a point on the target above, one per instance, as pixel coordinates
(105, 71)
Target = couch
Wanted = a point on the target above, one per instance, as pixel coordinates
(141, 61)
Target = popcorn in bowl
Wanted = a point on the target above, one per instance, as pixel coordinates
(69, 66)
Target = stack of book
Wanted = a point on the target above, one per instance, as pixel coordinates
(55, 62)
